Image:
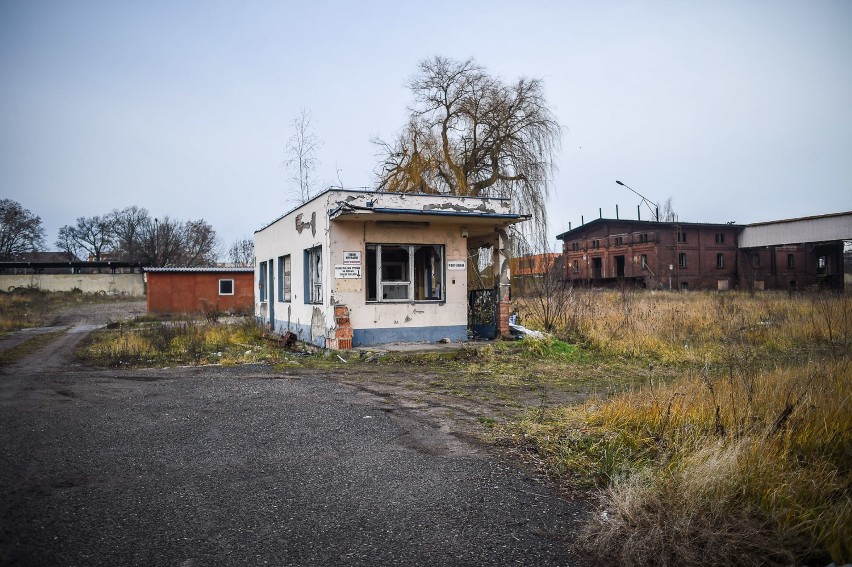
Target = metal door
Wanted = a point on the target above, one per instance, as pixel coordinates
(482, 313)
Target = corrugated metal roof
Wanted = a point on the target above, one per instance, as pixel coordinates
(212, 269)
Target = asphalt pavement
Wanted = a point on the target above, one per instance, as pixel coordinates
(249, 466)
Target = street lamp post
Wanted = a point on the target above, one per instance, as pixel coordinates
(644, 200)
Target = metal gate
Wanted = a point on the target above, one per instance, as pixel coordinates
(482, 313)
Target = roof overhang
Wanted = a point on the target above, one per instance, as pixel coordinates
(418, 217)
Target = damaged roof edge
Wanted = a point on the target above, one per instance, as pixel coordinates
(344, 208)
(371, 191)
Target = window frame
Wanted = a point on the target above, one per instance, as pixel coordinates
(791, 261)
(263, 275)
(720, 260)
(285, 278)
(313, 278)
(415, 269)
(222, 280)
(681, 260)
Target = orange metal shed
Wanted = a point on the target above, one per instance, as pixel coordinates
(190, 290)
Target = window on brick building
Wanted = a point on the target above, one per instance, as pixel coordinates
(720, 260)
(576, 266)
(643, 261)
(226, 287)
(720, 238)
(755, 260)
(681, 237)
(681, 260)
(791, 261)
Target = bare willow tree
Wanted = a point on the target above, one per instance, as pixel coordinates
(301, 155)
(470, 133)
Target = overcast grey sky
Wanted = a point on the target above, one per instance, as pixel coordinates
(738, 111)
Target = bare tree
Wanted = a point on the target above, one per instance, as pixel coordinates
(471, 134)
(171, 242)
(241, 252)
(129, 226)
(301, 155)
(20, 230)
(668, 212)
(93, 235)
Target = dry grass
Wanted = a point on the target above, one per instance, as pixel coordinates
(178, 342)
(746, 459)
(698, 327)
(30, 307)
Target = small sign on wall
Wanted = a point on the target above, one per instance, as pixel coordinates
(352, 259)
(347, 272)
(456, 265)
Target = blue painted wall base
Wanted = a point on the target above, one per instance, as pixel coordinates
(369, 337)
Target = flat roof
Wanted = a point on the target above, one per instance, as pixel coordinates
(214, 270)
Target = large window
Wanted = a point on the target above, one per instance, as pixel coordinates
(284, 287)
(405, 272)
(313, 275)
(262, 281)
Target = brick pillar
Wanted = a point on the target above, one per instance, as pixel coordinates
(343, 331)
(503, 310)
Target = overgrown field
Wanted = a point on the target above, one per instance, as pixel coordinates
(24, 307)
(149, 342)
(745, 459)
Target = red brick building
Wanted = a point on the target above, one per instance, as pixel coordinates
(784, 254)
(196, 290)
(668, 255)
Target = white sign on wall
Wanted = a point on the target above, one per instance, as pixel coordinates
(347, 272)
(456, 265)
(352, 258)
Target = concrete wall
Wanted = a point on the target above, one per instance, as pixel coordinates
(111, 284)
(812, 229)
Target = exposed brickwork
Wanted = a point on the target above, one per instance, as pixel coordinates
(343, 332)
(503, 310)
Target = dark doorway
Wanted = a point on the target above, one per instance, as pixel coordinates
(619, 266)
(597, 267)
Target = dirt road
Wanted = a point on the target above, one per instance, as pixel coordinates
(249, 466)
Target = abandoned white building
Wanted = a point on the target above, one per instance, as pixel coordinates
(355, 268)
